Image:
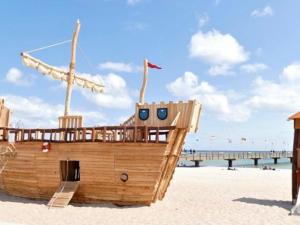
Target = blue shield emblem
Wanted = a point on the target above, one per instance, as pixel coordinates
(143, 114)
(162, 113)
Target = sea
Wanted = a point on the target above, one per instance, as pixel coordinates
(283, 163)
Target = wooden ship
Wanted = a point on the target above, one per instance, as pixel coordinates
(129, 164)
(296, 158)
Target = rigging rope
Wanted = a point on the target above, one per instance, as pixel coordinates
(86, 59)
(64, 42)
(49, 46)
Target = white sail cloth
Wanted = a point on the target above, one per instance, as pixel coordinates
(59, 74)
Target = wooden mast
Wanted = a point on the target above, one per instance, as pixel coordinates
(71, 69)
(144, 85)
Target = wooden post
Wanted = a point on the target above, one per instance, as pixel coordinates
(135, 134)
(146, 134)
(295, 165)
(6, 134)
(93, 134)
(104, 134)
(144, 85)
(29, 135)
(157, 135)
(71, 69)
(124, 133)
(65, 135)
(43, 135)
(84, 134)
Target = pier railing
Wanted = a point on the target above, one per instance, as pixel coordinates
(88, 134)
(201, 156)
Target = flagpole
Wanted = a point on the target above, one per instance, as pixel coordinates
(71, 69)
(144, 85)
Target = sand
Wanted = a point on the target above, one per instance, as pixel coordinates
(204, 195)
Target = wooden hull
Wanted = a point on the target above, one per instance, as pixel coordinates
(149, 166)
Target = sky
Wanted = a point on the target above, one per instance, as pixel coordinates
(240, 59)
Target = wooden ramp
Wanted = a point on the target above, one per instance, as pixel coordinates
(64, 194)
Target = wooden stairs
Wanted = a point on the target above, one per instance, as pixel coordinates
(64, 194)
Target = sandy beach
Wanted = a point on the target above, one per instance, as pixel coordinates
(207, 195)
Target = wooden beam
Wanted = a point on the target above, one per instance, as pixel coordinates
(294, 165)
(144, 85)
(71, 69)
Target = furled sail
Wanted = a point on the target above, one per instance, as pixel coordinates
(59, 74)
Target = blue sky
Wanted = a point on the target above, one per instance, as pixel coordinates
(241, 59)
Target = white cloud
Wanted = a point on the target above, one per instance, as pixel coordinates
(220, 70)
(282, 96)
(217, 49)
(253, 68)
(15, 76)
(203, 20)
(222, 104)
(35, 112)
(120, 67)
(292, 72)
(116, 94)
(267, 11)
(267, 95)
(133, 2)
(274, 96)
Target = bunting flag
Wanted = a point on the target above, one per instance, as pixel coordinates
(153, 66)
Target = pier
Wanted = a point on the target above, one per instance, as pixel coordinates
(198, 157)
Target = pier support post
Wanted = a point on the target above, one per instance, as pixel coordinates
(197, 163)
(256, 161)
(229, 162)
(276, 160)
(291, 159)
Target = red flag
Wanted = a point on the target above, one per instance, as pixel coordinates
(153, 66)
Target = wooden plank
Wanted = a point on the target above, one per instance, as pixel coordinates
(64, 194)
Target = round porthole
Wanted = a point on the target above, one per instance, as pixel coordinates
(124, 177)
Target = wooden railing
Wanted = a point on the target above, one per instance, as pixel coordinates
(130, 121)
(70, 121)
(88, 134)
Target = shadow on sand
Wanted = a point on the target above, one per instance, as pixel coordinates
(9, 198)
(287, 205)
